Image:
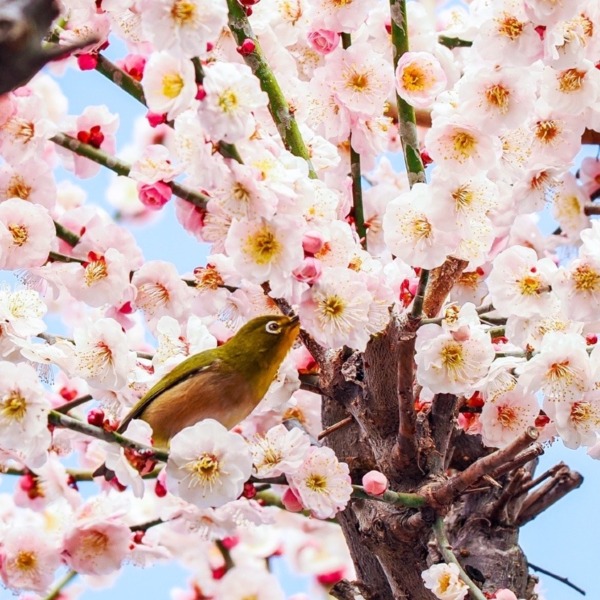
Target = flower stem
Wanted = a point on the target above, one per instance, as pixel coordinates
(54, 593)
(120, 78)
(399, 498)
(278, 106)
(65, 235)
(450, 558)
(454, 42)
(355, 172)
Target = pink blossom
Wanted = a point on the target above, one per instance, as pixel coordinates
(375, 483)
(154, 195)
(309, 271)
(419, 78)
(96, 547)
(323, 41)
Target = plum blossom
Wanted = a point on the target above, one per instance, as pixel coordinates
(183, 26)
(245, 582)
(507, 416)
(577, 421)
(450, 362)
(26, 234)
(278, 451)
(232, 95)
(335, 311)
(416, 230)
(419, 78)
(169, 84)
(102, 355)
(561, 369)
(21, 312)
(444, 581)
(322, 483)
(23, 414)
(208, 465)
(520, 284)
(28, 559)
(96, 546)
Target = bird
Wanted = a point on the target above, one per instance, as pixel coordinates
(224, 383)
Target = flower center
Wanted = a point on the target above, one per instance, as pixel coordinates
(586, 279)
(507, 416)
(183, 12)
(444, 582)
(14, 406)
(530, 285)
(205, 470)
(94, 543)
(228, 101)
(571, 80)
(464, 143)
(452, 356)
(414, 79)
(208, 278)
(240, 193)
(263, 246)
(17, 188)
(421, 228)
(498, 96)
(26, 560)
(172, 84)
(581, 413)
(95, 271)
(463, 196)
(357, 81)
(332, 307)
(510, 27)
(316, 482)
(547, 131)
(20, 234)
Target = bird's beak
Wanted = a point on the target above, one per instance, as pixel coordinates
(294, 319)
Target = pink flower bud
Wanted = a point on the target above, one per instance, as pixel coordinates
(309, 271)
(331, 577)
(312, 242)
(156, 119)
(134, 65)
(154, 195)
(291, 501)
(323, 41)
(87, 62)
(375, 483)
(462, 334)
(505, 594)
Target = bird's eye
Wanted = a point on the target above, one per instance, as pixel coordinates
(273, 327)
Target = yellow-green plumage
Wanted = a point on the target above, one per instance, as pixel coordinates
(224, 383)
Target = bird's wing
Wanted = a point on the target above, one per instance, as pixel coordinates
(190, 367)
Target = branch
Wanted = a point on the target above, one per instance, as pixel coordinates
(122, 168)
(446, 550)
(441, 282)
(444, 494)
(417, 307)
(59, 420)
(346, 590)
(278, 106)
(65, 408)
(444, 410)
(557, 577)
(454, 42)
(563, 482)
(65, 235)
(389, 497)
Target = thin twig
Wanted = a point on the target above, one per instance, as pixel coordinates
(557, 577)
(450, 558)
(396, 498)
(65, 408)
(335, 427)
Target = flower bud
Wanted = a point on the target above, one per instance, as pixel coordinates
(323, 41)
(375, 483)
(154, 195)
(291, 501)
(309, 271)
(312, 242)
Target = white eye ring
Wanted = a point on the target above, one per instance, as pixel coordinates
(273, 327)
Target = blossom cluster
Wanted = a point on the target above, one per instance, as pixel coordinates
(516, 339)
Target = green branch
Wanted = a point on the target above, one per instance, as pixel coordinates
(65, 235)
(397, 498)
(59, 420)
(55, 592)
(446, 550)
(355, 172)
(278, 106)
(121, 168)
(454, 42)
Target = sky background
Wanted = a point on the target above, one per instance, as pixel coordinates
(564, 539)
